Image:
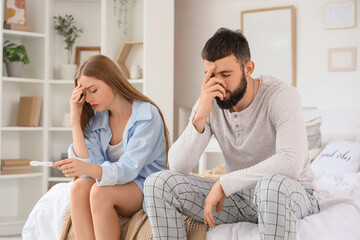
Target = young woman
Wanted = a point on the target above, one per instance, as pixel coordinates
(119, 138)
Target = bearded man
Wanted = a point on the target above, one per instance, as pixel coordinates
(261, 131)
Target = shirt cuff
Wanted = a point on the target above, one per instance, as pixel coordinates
(71, 154)
(226, 185)
(109, 175)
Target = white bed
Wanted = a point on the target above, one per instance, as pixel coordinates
(339, 218)
(338, 185)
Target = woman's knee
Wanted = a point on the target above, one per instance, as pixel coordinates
(98, 197)
(80, 189)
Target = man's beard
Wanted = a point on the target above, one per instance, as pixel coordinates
(235, 96)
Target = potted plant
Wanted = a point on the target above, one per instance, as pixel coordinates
(14, 57)
(65, 26)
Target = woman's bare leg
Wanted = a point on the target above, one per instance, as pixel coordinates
(80, 208)
(107, 202)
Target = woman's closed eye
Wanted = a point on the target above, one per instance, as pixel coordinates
(93, 91)
(226, 75)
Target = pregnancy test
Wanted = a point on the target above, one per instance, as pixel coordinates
(44, 164)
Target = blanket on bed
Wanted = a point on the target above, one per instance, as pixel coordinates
(138, 226)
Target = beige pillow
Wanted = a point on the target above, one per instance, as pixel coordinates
(314, 136)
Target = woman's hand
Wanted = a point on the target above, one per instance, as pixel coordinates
(215, 197)
(72, 167)
(76, 103)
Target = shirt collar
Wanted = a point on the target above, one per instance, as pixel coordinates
(141, 111)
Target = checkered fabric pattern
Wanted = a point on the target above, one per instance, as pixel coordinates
(275, 204)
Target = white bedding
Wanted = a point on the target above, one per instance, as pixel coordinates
(339, 217)
(46, 219)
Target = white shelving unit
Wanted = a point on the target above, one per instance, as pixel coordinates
(20, 192)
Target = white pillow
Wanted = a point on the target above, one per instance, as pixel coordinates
(339, 157)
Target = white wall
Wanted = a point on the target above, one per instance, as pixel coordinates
(90, 26)
(159, 56)
(197, 20)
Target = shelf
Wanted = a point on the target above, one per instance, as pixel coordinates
(22, 80)
(22, 34)
(21, 129)
(22, 175)
(60, 129)
(61, 81)
(80, 1)
(4, 221)
(136, 81)
(60, 179)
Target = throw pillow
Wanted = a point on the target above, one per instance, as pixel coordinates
(339, 157)
(314, 136)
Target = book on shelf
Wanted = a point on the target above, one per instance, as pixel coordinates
(29, 111)
(18, 27)
(13, 168)
(15, 162)
(14, 171)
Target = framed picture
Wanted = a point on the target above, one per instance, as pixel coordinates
(83, 53)
(15, 12)
(340, 14)
(273, 53)
(342, 59)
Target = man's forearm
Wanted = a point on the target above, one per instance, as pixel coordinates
(185, 153)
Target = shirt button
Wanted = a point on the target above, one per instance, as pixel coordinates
(237, 125)
(235, 116)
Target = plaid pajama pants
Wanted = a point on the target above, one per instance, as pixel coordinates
(276, 203)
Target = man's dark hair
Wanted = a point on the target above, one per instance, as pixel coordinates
(224, 43)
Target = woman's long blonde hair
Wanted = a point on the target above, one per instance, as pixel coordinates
(104, 69)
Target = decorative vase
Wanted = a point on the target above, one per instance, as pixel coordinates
(14, 69)
(67, 71)
(135, 72)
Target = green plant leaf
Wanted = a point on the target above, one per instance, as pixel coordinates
(14, 53)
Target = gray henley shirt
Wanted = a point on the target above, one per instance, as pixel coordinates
(268, 137)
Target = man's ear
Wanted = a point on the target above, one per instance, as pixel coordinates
(249, 68)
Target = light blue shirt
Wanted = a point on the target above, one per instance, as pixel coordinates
(143, 140)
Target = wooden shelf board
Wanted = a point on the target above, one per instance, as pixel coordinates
(23, 80)
(22, 34)
(20, 129)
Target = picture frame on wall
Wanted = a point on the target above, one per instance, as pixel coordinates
(342, 59)
(83, 53)
(340, 15)
(15, 12)
(274, 54)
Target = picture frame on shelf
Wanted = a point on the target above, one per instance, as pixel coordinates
(342, 59)
(340, 15)
(275, 54)
(83, 53)
(15, 12)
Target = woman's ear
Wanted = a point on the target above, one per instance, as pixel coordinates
(249, 68)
